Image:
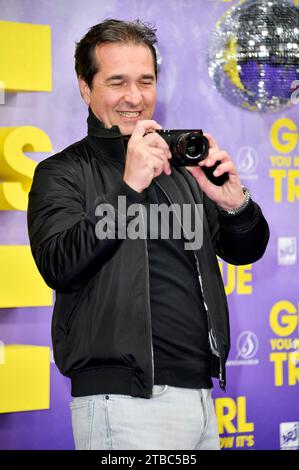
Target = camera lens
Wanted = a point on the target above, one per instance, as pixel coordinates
(194, 147)
(191, 146)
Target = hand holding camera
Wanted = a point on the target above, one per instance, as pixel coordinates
(228, 196)
(189, 148)
(201, 156)
(147, 155)
(152, 150)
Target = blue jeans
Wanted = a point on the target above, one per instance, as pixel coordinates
(173, 418)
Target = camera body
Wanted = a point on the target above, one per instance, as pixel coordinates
(189, 147)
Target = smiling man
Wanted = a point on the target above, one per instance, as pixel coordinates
(123, 91)
(140, 325)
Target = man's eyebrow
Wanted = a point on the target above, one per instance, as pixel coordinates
(146, 76)
(115, 77)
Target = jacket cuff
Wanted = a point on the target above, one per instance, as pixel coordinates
(243, 219)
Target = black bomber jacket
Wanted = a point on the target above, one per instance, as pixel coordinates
(101, 325)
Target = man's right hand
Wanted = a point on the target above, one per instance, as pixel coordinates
(147, 156)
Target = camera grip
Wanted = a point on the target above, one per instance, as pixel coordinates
(217, 180)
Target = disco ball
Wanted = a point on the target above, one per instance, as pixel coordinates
(254, 54)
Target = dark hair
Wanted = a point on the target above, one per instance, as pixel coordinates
(110, 31)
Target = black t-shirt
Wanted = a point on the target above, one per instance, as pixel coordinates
(179, 320)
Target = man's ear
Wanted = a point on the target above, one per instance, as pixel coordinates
(84, 90)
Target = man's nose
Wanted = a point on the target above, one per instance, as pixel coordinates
(133, 95)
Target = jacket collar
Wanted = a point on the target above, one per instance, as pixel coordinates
(107, 142)
(96, 128)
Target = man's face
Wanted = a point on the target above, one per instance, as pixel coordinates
(124, 89)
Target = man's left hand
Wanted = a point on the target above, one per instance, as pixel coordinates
(228, 196)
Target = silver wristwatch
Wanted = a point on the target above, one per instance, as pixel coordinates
(244, 204)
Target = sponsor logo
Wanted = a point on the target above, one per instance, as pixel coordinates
(247, 346)
(289, 436)
(287, 250)
(247, 161)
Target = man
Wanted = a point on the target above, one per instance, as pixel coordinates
(140, 325)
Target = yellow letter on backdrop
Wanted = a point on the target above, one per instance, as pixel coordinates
(25, 57)
(16, 169)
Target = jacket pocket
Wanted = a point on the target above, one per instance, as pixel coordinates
(76, 308)
(65, 311)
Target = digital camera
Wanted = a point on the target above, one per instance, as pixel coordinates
(189, 147)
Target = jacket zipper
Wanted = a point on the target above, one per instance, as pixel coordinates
(217, 351)
(148, 293)
(212, 338)
(148, 296)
